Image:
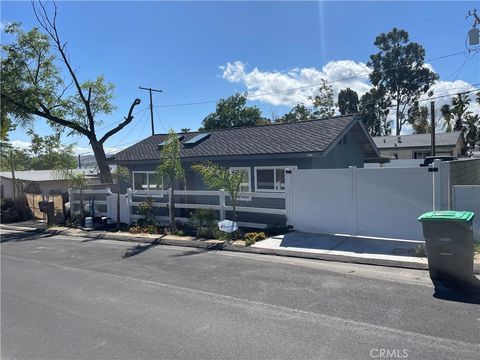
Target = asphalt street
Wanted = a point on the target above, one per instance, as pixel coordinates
(74, 298)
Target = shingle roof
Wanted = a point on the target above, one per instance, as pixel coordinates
(307, 136)
(416, 140)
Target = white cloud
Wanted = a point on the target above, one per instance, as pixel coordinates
(275, 87)
(20, 144)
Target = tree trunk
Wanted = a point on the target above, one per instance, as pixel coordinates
(101, 158)
(171, 210)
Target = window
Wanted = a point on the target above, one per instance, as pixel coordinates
(270, 178)
(420, 154)
(245, 185)
(146, 180)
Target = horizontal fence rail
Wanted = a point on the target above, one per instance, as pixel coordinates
(253, 204)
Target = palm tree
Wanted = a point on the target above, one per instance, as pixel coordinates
(460, 105)
(171, 169)
(472, 132)
(120, 174)
(448, 116)
(74, 180)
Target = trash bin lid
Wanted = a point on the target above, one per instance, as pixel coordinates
(447, 216)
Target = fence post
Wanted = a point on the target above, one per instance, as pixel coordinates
(221, 202)
(70, 200)
(129, 205)
(288, 196)
(354, 199)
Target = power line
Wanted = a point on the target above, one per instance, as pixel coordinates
(318, 84)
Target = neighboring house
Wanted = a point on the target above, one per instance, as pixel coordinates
(262, 152)
(44, 181)
(418, 146)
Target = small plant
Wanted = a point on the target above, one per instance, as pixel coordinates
(204, 222)
(274, 229)
(252, 237)
(147, 229)
(420, 251)
(145, 209)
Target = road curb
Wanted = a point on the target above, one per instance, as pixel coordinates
(223, 246)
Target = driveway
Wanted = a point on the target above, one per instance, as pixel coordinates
(389, 249)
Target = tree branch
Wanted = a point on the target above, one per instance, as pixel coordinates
(46, 114)
(120, 126)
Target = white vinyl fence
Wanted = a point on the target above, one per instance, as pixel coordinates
(467, 197)
(382, 202)
(258, 210)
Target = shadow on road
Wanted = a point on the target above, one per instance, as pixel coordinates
(23, 236)
(465, 293)
(140, 248)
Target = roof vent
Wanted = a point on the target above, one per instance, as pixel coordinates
(399, 139)
(384, 141)
(197, 139)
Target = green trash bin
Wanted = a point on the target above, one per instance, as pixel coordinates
(449, 242)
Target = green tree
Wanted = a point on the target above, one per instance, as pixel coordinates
(323, 103)
(233, 112)
(171, 169)
(218, 177)
(78, 181)
(399, 70)
(418, 117)
(447, 117)
(120, 174)
(49, 153)
(36, 83)
(459, 109)
(299, 113)
(21, 158)
(374, 108)
(472, 123)
(347, 101)
(185, 130)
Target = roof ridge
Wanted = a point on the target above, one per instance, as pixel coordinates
(429, 134)
(260, 126)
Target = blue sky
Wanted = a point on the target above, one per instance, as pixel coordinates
(204, 51)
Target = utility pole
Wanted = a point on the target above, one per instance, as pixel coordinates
(151, 105)
(432, 114)
(473, 34)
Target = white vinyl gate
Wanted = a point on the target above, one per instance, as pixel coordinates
(381, 202)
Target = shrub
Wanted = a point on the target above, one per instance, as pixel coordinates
(146, 229)
(9, 212)
(420, 251)
(252, 237)
(204, 222)
(274, 229)
(145, 209)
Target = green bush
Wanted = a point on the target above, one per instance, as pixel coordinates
(252, 237)
(9, 212)
(145, 209)
(274, 229)
(146, 229)
(204, 221)
(420, 251)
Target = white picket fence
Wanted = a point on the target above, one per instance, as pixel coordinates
(161, 199)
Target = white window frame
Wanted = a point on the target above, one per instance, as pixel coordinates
(249, 171)
(274, 176)
(148, 180)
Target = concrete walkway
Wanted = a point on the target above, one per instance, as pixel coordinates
(358, 247)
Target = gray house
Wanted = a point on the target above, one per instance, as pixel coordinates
(262, 152)
(418, 146)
